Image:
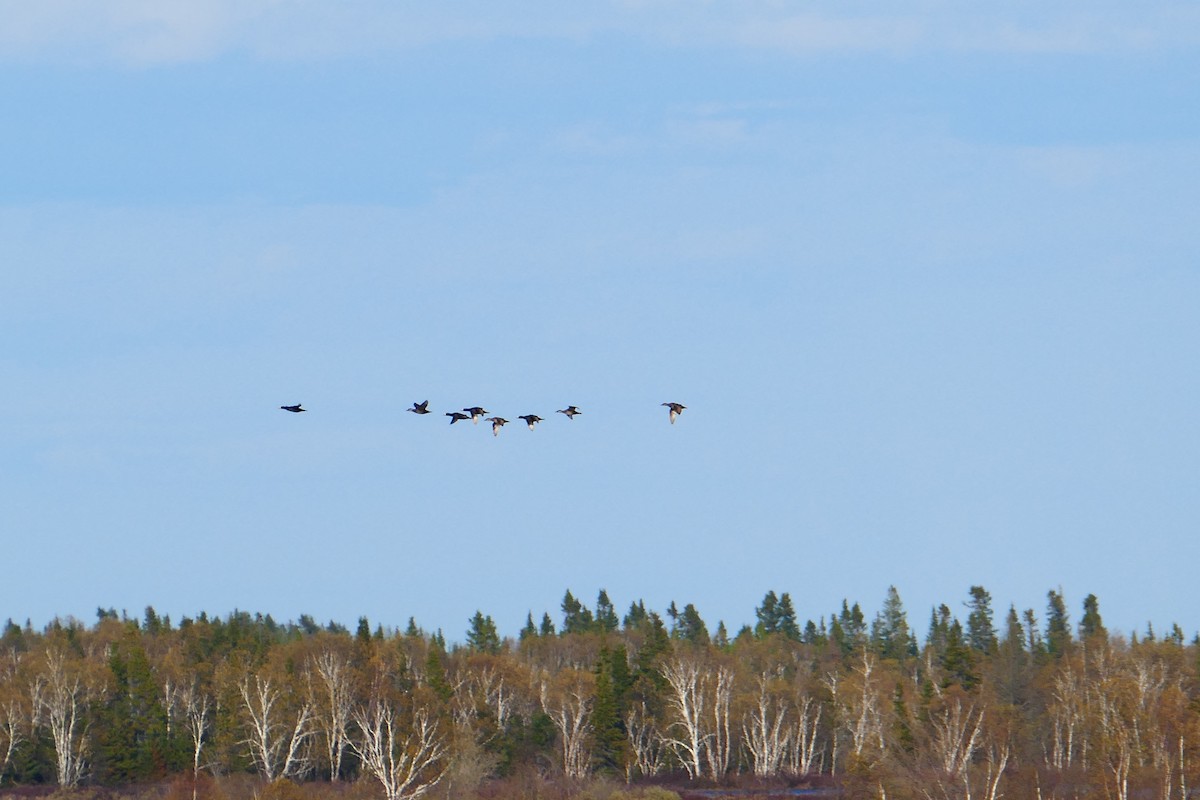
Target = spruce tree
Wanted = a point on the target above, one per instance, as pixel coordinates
(838, 637)
(1011, 663)
(1091, 626)
(613, 683)
(1058, 628)
(648, 663)
(854, 626)
(636, 616)
(482, 635)
(1036, 647)
(132, 722)
(890, 635)
(435, 672)
(786, 618)
(530, 630)
(939, 629)
(576, 618)
(691, 627)
(363, 634)
(981, 630)
(958, 662)
(606, 614)
(813, 634)
(768, 615)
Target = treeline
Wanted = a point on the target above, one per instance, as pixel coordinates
(976, 709)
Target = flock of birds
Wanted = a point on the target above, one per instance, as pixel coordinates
(476, 413)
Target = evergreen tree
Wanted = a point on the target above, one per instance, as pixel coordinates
(547, 628)
(786, 618)
(606, 614)
(1058, 628)
(958, 662)
(1036, 648)
(690, 627)
(153, 624)
(1014, 633)
(768, 615)
(1011, 663)
(1091, 626)
(813, 634)
(613, 683)
(890, 635)
(482, 635)
(853, 624)
(939, 629)
(838, 637)
(363, 634)
(530, 630)
(132, 730)
(636, 616)
(576, 618)
(648, 662)
(435, 672)
(981, 630)
(721, 637)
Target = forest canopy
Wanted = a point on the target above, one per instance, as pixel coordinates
(1017, 704)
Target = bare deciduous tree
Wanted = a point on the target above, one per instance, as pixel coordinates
(404, 756)
(687, 700)
(765, 731)
(955, 737)
(645, 743)
(332, 697)
(276, 738)
(804, 757)
(568, 703)
(61, 694)
(720, 744)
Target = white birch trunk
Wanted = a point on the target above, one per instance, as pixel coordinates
(63, 699)
(687, 700)
(336, 700)
(571, 714)
(276, 747)
(764, 731)
(406, 762)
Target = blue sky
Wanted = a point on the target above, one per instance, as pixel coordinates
(926, 279)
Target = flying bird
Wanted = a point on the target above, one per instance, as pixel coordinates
(420, 408)
(675, 410)
(570, 411)
(296, 409)
(530, 419)
(455, 416)
(497, 424)
(476, 413)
